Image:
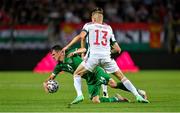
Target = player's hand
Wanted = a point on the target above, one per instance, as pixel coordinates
(51, 77)
(64, 49)
(45, 87)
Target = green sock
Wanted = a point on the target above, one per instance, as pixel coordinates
(120, 85)
(111, 99)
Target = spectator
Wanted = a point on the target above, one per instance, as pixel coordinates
(142, 13)
(22, 12)
(4, 17)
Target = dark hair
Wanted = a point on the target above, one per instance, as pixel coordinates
(97, 10)
(56, 48)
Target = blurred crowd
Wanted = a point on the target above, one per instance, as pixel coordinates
(76, 11)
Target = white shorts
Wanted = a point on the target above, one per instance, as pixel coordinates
(108, 64)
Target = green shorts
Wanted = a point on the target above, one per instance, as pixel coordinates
(94, 90)
(94, 85)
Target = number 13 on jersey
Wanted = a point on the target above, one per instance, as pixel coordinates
(101, 40)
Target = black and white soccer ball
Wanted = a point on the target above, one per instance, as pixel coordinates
(52, 86)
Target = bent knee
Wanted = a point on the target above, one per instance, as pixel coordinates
(80, 71)
(119, 74)
(112, 83)
(95, 100)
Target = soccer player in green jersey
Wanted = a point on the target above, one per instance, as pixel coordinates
(70, 62)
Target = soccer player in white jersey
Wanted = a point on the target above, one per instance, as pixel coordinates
(98, 36)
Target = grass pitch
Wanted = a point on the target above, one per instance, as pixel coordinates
(23, 92)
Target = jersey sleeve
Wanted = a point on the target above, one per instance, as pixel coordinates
(112, 40)
(56, 70)
(85, 28)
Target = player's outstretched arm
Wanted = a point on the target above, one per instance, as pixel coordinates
(79, 51)
(74, 40)
(82, 46)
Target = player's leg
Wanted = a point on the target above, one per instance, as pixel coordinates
(111, 67)
(94, 92)
(95, 99)
(80, 71)
(127, 83)
(121, 86)
(104, 90)
(104, 78)
(100, 73)
(83, 68)
(116, 98)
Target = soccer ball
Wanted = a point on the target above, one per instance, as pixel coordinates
(52, 86)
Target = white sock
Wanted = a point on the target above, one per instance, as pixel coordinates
(77, 85)
(130, 86)
(104, 88)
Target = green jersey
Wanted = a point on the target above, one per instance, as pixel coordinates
(70, 64)
(93, 79)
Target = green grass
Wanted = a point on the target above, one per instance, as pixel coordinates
(23, 92)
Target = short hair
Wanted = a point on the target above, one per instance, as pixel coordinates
(97, 10)
(56, 48)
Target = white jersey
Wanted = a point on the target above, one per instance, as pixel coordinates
(98, 39)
